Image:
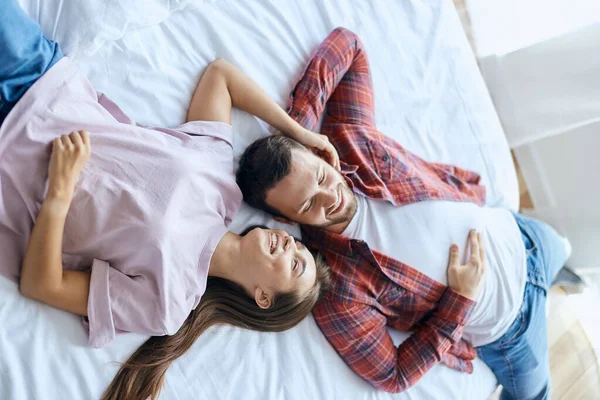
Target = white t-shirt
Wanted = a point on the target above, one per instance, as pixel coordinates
(420, 235)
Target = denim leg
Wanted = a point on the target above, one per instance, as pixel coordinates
(26, 54)
(519, 359)
(553, 249)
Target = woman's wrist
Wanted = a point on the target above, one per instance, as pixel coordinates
(286, 124)
(296, 131)
(57, 203)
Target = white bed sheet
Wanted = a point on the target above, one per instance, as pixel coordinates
(148, 56)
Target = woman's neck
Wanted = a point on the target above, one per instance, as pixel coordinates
(225, 260)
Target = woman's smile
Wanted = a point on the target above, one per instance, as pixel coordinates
(279, 243)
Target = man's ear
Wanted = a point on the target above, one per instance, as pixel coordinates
(262, 298)
(285, 221)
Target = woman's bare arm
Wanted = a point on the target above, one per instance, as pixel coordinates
(42, 276)
(224, 86)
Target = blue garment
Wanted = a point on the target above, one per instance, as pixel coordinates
(519, 359)
(25, 54)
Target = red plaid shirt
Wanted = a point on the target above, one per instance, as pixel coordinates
(369, 290)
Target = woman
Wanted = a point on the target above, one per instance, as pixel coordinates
(133, 235)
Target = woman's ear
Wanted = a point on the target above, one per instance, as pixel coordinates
(262, 298)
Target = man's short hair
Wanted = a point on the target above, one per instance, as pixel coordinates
(262, 166)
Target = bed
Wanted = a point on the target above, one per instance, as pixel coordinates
(148, 56)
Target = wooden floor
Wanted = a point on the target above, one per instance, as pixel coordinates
(573, 320)
(573, 337)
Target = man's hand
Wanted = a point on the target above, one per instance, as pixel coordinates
(320, 145)
(467, 279)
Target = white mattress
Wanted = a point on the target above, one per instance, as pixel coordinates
(148, 56)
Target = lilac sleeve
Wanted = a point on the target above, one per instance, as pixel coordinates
(118, 302)
(115, 110)
(213, 129)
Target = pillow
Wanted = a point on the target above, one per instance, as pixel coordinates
(82, 29)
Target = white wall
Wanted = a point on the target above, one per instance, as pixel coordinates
(503, 26)
(548, 88)
(547, 95)
(563, 176)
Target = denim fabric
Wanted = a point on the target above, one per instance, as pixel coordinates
(25, 54)
(519, 358)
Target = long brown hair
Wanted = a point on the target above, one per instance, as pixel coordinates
(224, 302)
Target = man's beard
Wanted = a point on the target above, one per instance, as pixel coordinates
(351, 207)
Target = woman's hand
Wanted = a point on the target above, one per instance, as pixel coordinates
(69, 155)
(224, 86)
(320, 145)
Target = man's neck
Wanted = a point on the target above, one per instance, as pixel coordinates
(338, 228)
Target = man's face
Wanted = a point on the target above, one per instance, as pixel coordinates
(313, 193)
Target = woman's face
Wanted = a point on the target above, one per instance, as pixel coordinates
(278, 263)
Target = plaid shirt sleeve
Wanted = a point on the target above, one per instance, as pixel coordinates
(459, 356)
(358, 333)
(337, 75)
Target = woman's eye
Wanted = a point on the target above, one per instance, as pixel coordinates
(294, 265)
(322, 179)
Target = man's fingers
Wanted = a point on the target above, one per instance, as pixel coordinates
(481, 251)
(454, 255)
(474, 243)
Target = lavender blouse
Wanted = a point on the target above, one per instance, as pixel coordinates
(149, 209)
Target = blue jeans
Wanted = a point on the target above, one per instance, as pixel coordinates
(519, 359)
(26, 54)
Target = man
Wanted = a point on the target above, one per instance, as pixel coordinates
(384, 222)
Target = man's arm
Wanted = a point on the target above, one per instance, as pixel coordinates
(338, 77)
(359, 334)
(224, 86)
(358, 331)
